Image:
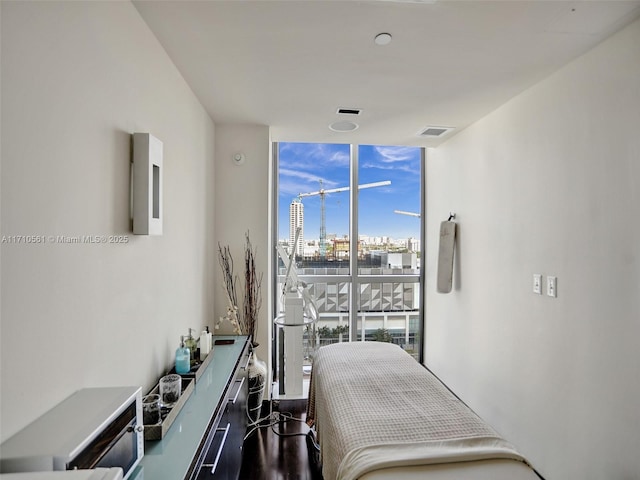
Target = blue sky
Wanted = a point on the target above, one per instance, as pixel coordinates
(302, 165)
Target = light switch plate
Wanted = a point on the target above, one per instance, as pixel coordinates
(552, 286)
(537, 283)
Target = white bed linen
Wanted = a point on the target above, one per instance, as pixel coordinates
(498, 469)
(375, 407)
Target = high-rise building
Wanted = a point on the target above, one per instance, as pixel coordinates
(296, 220)
(413, 245)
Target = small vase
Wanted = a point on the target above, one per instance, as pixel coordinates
(257, 381)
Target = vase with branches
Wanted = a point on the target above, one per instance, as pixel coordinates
(245, 321)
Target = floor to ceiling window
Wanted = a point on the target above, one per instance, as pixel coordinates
(351, 217)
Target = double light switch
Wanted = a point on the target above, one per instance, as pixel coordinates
(552, 283)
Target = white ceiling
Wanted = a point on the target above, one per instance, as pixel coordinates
(291, 64)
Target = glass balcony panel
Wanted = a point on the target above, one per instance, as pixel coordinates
(332, 300)
(387, 312)
(396, 316)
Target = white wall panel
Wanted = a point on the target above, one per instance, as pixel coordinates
(78, 78)
(549, 183)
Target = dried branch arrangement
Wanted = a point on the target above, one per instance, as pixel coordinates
(247, 322)
(252, 290)
(229, 282)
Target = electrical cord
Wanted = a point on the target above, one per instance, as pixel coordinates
(285, 417)
(271, 419)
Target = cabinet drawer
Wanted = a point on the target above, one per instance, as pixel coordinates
(223, 457)
(237, 389)
(215, 464)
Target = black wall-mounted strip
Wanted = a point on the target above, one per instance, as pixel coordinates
(349, 111)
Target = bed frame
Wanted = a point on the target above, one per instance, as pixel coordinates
(378, 415)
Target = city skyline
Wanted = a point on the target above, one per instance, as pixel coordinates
(302, 166)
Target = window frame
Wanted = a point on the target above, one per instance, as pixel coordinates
(353, 278)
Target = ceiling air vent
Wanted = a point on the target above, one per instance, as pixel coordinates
(435, 131)
(349, 111)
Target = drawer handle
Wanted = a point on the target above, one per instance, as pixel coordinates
(238, 391)
(224, 440)
(246, 365)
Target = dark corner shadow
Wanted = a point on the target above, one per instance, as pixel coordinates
(457, 260)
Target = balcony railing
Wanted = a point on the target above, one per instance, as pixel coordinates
(388, 311)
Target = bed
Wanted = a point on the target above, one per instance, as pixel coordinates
(378, 414)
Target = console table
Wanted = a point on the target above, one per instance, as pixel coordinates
(205, 440)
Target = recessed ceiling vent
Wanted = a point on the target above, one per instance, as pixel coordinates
(435, 131)
(349, 111)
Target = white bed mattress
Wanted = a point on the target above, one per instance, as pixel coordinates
(380, 414)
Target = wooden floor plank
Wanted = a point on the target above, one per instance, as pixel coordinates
(269, 456)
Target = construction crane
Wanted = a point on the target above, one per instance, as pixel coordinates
(411, 214)
(322, 192)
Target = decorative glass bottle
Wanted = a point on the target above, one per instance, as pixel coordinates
(183, 358)
(192, 344)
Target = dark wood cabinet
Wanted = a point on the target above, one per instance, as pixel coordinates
(222, 457)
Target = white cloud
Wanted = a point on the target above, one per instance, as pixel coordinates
(307, 176)
(301, 165)
(299, 155)
(393, 166)
(341, 158)
(397, 154)
(293, 182)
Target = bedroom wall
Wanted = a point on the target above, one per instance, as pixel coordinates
(78, 78)
(241, 206)
(549, 183)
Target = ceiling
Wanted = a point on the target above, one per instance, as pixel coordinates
(291, 64)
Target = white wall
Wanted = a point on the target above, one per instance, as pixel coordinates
(549, 183)
(241, 206)
(78, 78)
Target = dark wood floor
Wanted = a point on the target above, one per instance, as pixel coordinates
(268, 456)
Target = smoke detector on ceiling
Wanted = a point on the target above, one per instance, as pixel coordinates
(382, 38)
(435, 132)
